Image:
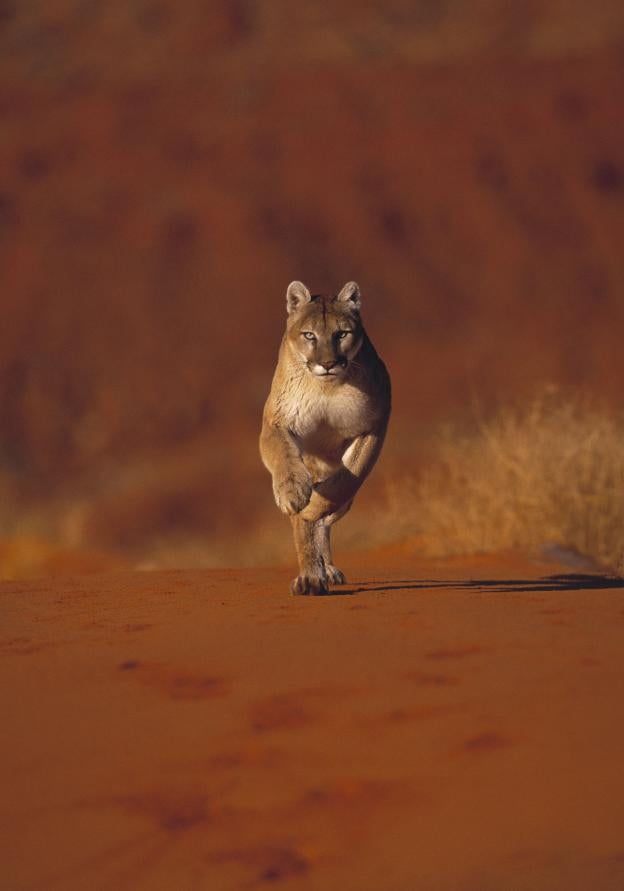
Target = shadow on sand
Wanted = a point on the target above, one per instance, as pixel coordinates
(561, 582)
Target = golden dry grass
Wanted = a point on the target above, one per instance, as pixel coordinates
(547, 472)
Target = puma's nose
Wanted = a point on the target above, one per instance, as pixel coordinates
(328, 365)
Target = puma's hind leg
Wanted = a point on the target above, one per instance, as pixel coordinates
(322, 533)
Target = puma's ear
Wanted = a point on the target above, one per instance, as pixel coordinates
(350, 295)
(296, 296)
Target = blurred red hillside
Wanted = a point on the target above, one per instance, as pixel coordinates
(166, 170)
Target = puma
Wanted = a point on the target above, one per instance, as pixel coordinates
(324, 422)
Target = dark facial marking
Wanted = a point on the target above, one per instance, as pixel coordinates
(324, 308)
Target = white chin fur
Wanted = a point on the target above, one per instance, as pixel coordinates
(319, 371)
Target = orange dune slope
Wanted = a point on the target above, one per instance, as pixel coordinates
(438, 725)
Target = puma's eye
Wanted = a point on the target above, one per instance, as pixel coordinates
(308, 335)
(342, 334)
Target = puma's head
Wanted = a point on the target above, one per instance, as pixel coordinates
(325, 333)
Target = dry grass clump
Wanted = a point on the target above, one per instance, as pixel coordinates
(550, 472)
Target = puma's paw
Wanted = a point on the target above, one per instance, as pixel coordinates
(309, 584)
(334, 575)
(292, 491)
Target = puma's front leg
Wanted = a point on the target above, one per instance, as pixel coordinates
(312, 578)
(292, 483)
(292, 487)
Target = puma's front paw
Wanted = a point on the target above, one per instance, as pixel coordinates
(309, 584)
(293, 490)
(334, 575)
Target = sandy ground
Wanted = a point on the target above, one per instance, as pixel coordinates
(442, 725)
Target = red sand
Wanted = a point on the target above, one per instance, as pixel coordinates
(444, 725)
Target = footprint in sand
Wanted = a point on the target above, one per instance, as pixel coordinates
(270, 863)
(173, 813)
(488, 741)
(24, 646)
(251, 756)
(351, 793)
(426, 679)
(297, 708)
(176, 684)
(281, 712)
(460, 652)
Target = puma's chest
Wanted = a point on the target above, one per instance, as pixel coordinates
(343, 414)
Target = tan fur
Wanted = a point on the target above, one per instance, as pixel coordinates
(324, 423)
